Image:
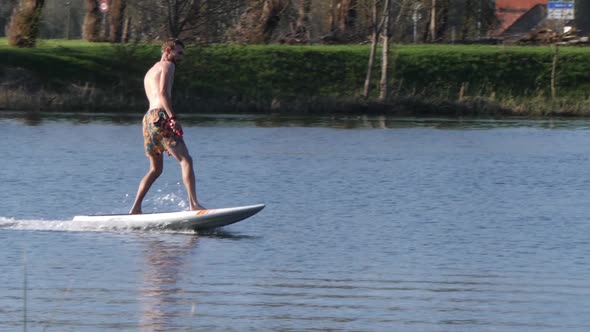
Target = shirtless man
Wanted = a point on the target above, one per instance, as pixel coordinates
(161, 131)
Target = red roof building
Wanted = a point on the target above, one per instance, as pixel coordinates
(510, 11)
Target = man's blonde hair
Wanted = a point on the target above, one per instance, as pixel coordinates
(171, 42)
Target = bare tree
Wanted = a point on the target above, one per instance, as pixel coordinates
(23, 28)
(438, 19)
(376, 28)
(303, 16)
(384, 29)
(116, 20)
(180, 14)
(299, 31)
(91, 27)
(342, 17)
(442, 19)
(6, 8)
(187, 19)
(433, 21)
(332, 15)
(477, 17)
(260, 19)
(347, 14)
(385, 54)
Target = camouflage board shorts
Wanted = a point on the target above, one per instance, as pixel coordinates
(157, 138)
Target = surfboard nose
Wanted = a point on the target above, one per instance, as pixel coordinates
(258, 207)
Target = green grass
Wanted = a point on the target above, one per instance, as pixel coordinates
(514, 76)
(58, 63)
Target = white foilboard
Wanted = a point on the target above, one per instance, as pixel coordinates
(196, 220)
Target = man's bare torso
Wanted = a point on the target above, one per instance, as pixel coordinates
(153, 81)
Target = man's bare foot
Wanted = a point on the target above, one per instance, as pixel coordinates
(198, 207)
(135, 211)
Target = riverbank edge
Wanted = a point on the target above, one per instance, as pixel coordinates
(44, 101)
(107, 78)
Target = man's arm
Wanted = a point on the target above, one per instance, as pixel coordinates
(165, 88)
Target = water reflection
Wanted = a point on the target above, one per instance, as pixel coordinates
(32, 119)
(283, 120)
(221, 234)
(166, 261)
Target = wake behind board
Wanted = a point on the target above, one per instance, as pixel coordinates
(196, 220)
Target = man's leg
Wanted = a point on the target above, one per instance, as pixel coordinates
(156, 167)
(180, 153)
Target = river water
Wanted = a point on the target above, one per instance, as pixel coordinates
(371, 224)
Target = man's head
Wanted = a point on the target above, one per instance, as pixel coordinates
(173, 50)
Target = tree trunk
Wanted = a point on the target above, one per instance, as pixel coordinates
(442, 19)
(91, 28)
(374, 40)
(126, 32)
(301, 30)
(270, 19)
(172, 19)
(433, 21)
(116, 20)
(554, 75)
(369, 77)
(332, 15)
(346, 15)
(259, 21)
(401, 25)
(342, 16)
(385, 54)
(23, 28)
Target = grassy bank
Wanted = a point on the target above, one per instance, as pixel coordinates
(425, 79)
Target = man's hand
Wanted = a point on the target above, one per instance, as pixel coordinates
(175, 127)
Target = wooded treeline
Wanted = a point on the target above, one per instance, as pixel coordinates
(247, 21)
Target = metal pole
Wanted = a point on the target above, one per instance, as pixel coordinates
(68, 26)
(103, 30)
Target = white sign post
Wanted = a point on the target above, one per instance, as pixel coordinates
(560, 10)
(103, 6)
